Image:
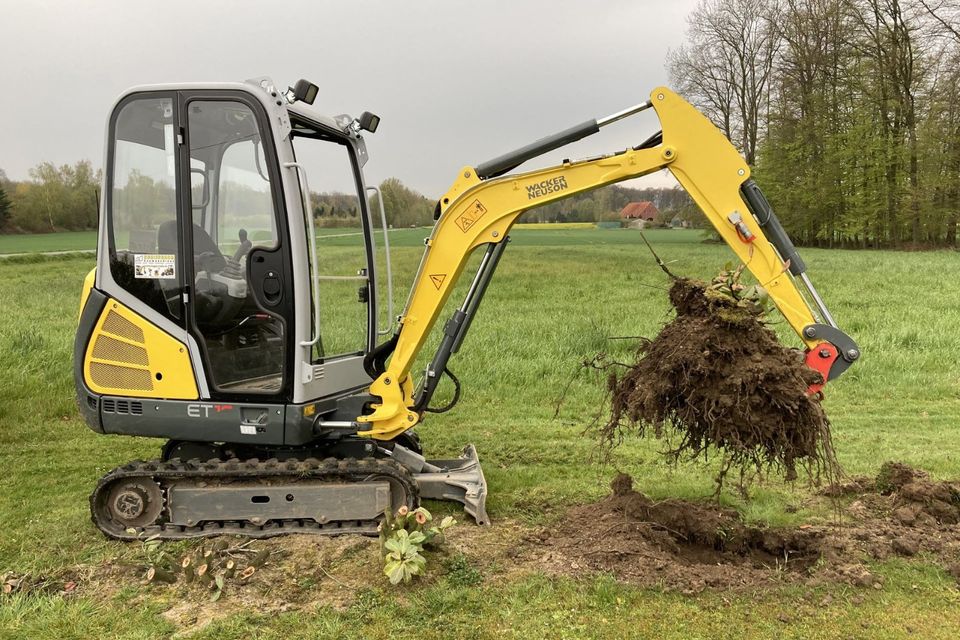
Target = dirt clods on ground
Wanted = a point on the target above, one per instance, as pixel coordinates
(690, 546)
(676, 544)
(927, 504)
(717, 379)
(894, 475)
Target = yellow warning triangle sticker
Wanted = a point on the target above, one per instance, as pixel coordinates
(437, 279)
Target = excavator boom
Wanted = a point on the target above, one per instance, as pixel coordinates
(482, 205)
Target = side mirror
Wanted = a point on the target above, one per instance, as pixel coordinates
(369, 122)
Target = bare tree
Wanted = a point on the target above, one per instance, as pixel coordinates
(726, 67)
(699, 71)
(946, 13)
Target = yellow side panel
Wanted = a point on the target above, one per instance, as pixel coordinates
(128, 356)
(87, 288)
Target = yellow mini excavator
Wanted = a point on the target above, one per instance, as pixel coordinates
(214, 319)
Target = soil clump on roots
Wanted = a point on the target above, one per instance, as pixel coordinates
(717, 379)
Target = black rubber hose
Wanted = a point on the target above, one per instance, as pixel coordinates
(456, 395)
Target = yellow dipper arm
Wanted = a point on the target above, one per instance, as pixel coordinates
(477, 212)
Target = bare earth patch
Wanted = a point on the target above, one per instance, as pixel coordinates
(302, 573)
(690, 546)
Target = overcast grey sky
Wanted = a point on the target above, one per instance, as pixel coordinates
(455, 82)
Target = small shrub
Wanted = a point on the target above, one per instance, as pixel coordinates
(460, 573)
(403, 537)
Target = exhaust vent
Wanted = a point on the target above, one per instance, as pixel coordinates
(118, 377)
(123, 407)
(107, 348)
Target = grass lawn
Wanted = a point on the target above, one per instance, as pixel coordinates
(532, 233)
(42, 242)
(556, 299)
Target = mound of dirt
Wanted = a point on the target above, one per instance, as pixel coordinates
(924, 504)
(676, 544)
(690, 546)
(716, 378)
(894, 475)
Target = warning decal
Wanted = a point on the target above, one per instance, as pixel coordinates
(155, 265)
(469, 217)
(437, 279)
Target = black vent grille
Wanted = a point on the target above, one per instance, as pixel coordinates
(123, 407)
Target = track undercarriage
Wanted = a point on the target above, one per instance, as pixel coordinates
(206, 496)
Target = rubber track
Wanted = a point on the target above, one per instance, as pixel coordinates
(217, 471)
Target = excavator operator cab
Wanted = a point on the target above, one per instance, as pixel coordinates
(211, 234)
(234, 313)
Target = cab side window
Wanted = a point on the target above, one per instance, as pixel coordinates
(142, 206)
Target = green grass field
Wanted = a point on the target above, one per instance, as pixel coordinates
(572, 233)
(37, 242)
(557, 298)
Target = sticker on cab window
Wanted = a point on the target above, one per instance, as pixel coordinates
(155, 266)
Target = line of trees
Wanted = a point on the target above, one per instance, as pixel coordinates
(403, 207)
(65, 199)
(54, 199)
(849, 111)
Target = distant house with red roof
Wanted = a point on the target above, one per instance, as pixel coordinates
(639, 214)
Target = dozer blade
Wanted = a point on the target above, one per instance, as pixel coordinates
(459, 479)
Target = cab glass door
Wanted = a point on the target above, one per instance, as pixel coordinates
(144, 243)
(237, 267)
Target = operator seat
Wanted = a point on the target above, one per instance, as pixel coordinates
(206, 254)
(210, 296)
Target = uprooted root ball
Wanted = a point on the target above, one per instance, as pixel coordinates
(717, 379)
